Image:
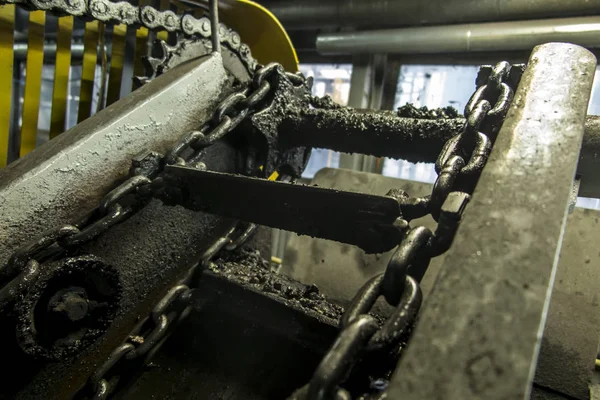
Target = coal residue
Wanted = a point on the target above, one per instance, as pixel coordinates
(247, 267)
(325, 103)
(410, 111)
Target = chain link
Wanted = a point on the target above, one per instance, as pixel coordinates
(146, 16)
(146, 339)
(22, 269)
(458, 166)
(175, 306)
(117, 205)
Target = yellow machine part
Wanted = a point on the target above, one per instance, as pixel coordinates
(261, 31)
(258, 28)
(7, 22)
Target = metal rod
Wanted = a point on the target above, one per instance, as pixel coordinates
(479, 334)
(214, 26)
(385, 134)
(494, 36)
(394, 13)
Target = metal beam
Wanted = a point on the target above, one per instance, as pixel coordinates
(479, 334)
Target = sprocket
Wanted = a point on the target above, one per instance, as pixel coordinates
(236, 57)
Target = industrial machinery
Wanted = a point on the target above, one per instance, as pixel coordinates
(133, 245)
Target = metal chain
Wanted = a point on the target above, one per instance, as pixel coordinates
(113, 208)
(459, 165)
(146, 16)
(148, 336)
(22, 269)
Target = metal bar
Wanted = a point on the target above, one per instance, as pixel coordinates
(7, 32)
(373, 13)
(494, 36)
(348, 217)
(141, 50)
(390, 85)
(479, 334)
(62, 68)
(33, 81)
(361, 86)
(385, 134)
(379, 133)
(214, 25)
(88, 70)
(116, 64)
(142, 41)
(128, 61)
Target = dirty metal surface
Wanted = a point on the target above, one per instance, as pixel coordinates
(570, 342)
(589, 158)
(339, 269)
(151, 250)
(486, 311)
(393, 134)
(364, 220)
(254, 335)
(571, 334)
(65, 178)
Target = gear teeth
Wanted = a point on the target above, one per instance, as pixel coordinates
(139, 81)
(161, 50)
(151, 65)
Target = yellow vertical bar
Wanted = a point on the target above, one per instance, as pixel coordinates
(141, 49)
(61, 76)
(88, 70)
(7, 32)
(33, 81)
(164, 6)
(141, 45)
(116, 64)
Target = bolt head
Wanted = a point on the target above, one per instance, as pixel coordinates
(455, 205)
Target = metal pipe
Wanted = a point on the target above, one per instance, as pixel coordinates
(214, 26)
(393, 13)
(494, 36)
(486, 312)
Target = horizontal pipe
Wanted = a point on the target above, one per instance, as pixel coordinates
(394, 13)
(493, 36)
(385, 134)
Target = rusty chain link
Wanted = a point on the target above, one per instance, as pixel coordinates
(459, 165)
